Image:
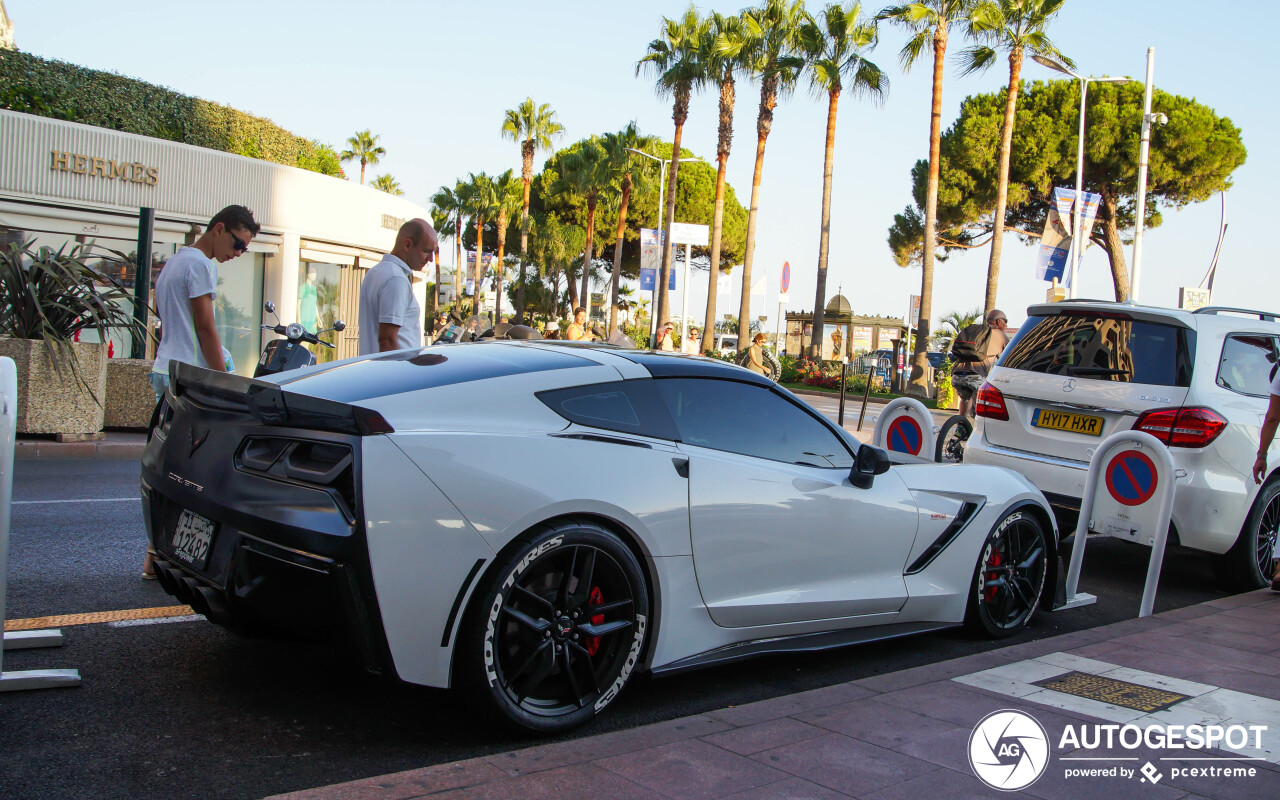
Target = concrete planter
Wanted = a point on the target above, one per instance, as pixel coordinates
(53, 403)
(130, 398)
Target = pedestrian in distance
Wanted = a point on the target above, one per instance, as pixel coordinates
(974, 353)
(578, 328)
(692, 342)
(666, 337)
(1266, 436)
(185, 291)
(755, 355)
(389, 313)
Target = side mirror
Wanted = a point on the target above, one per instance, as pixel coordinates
(339, 326)
(870, 462)
(271, 307)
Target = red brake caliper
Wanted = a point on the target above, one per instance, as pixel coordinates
(596, 598)
(992, 562)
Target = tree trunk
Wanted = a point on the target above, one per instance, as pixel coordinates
(572, 289)
(526, 177)
(725, 141)
(587, 252)
(1002, 185)
(663, 310)
(479, 270)
(1114, 245)
(460, 267)
(764, 123)
(362, 172)
(824, 237)
(920, 363)
(617, 252)
(497, 273)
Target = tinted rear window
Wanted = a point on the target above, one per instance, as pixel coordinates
(1102, 348)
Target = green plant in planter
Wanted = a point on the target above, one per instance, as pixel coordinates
(51, 296)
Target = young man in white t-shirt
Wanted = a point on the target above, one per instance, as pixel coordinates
(185, 292)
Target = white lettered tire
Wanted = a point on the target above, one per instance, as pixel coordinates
(558, 628)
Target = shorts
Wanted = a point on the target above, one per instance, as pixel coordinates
(967, 384)
(159, 382)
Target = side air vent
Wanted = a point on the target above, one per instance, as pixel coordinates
(963, 517)
(324, 465)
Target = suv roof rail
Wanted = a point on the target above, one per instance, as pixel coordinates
(1268, 316)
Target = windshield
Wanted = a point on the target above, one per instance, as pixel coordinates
(1103, 348)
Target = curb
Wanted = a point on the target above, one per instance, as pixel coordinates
(109, 448)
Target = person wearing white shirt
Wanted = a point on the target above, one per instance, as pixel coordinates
(692, 343)
(390, 317)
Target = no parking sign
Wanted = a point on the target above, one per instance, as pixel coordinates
(905, 426)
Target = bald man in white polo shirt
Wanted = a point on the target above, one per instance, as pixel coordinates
(390, 318)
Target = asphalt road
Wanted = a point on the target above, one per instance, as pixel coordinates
(187, 710)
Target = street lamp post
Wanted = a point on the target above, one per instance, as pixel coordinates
(662, 182)
(1077, 246)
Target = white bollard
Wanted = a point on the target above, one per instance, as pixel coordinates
(1129, 494)
(905, 426)
(18, 640)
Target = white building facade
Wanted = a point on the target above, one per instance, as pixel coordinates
(63, 184)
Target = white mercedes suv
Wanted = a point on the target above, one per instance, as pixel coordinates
(1079, 371)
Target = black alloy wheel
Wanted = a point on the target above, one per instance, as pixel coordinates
(955, 432)
(1009, 578)
(1248, 565)
(561, 627)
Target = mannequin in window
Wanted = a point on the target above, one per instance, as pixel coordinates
(307, 301)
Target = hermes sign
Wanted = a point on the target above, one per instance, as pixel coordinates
(103, 168)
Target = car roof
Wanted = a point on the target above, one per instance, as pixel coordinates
(1205, 318)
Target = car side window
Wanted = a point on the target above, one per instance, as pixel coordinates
(627, 406)
(1248, 364)
(751, 420)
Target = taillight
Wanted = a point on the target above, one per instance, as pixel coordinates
(1182, 427)
(990, 403)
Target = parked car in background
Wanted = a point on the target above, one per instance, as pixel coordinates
(1079, 371)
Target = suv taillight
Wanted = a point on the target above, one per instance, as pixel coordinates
(1182, 427)
(990, 403)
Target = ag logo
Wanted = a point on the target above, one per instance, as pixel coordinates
(1008, 750)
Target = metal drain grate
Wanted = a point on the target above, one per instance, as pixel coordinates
(1110, 690)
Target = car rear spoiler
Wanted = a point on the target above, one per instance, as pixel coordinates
(269, 403)
(1103, 308)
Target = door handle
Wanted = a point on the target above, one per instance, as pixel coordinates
(681, 463)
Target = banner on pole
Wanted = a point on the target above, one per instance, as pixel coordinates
(915, 311)
(650, 258)
(1055, 242)
(758, 286)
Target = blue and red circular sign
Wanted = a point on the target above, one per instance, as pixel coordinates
(905, 436)
(1131, 478)
(786, 276)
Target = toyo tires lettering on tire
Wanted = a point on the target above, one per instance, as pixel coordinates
(1009, 577)
(496, 608)
(559, 627)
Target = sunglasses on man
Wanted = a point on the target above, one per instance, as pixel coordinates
(239, 246)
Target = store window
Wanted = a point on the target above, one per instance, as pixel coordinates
(238, 309)
(318, 303)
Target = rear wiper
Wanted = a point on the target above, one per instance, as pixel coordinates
(1099, 371)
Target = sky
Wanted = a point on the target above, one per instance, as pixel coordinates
(434, 80)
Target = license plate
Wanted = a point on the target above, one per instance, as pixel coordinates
(1064, 421)
(191, 539)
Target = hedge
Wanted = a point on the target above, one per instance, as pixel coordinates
(56, 89)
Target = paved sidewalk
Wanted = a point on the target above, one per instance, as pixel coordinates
(115, 444)
(906, 735)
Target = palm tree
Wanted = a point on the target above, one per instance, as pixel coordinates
(443, 222)
(363, 146)
(506, 188)
(388, 184)
(674, 57)
(725, 44)
(771, 55)
(1014, 26)
(928, 22)
(483, 201)
(586, 172)
(533, 126)
(951, 325)
(452, 203)
(617, 147)
(836, 47)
